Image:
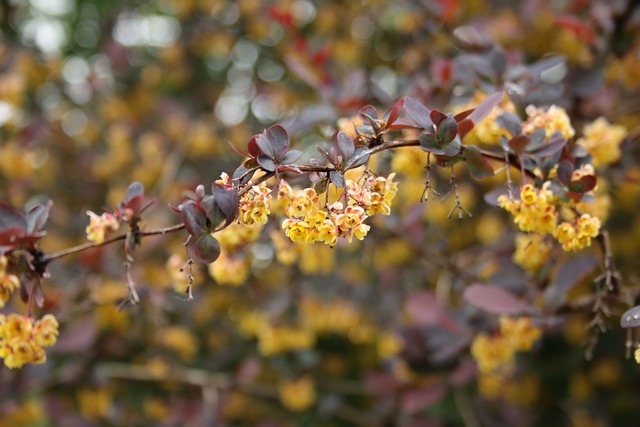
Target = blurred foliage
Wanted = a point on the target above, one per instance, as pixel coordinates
(97, 94)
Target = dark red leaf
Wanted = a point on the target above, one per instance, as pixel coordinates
(206, 248)
(493, 299)
(518, 143)
(463, 115)
(464, 127)
(252, 146)
(565, 170)
(437, 116)
(368, 112)
(227, 201)
(278, 139)
(135, 189)
(194, 218)
(394, 112)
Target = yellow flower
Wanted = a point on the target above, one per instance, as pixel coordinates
(297, 395)
(602, 140)
(492, 352)
(519, 332)
(99, 225)
(553, 119)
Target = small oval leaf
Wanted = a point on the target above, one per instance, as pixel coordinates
(493, 299)
(206, 248)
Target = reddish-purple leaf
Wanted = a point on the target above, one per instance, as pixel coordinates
(134, 189)
(337, 179)
(252, 146)
(37, 217)
(290, 157)
(484, 108)
(394, 112)
(11, 236)
(565, 170)
(437, 116)
(238, 150)
(418, 398)
(267, 148)
(206, 248)
(569, 273)
(493, 299)
(194, 218)
(368, 112)
(423, 308)
(518, 143)
(227, 200)
(464, 127)
(463, 115)
(266, 163)
(511, 122)
(345, 144)
(552, 147)
(447, 130)
(278, 137)
(11, 217)
(418, 112)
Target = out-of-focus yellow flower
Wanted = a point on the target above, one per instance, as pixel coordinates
(230, 269)
(531, 251)
(492, 352)
(388, 344)
(602, 140)
(298, 394)
(519, 332)
(275, 339)
(180, 340)
(95, 403)
(554, 119)
(8, 282)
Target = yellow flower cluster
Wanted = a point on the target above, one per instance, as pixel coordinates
(8, 282)
(297, 394)
(602, 140)
(554, 119)
(22, 340)
(496, 352)
(255, 205)
(232, 267)
(576, 235)
(309, 223)
(99, 225)
(276, 339)
(531, 251)
(534, 212)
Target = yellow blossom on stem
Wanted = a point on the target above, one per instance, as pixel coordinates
(8, 282)
(100, 225)
(22, 340)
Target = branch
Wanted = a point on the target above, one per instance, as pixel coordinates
(46, 259)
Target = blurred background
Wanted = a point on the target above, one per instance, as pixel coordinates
(97, 94)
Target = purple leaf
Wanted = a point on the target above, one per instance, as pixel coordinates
(553, 146)
(345, 144)
(568, 274)
(394, 112)
(437, 117)
(134, 189)
(337, 178)
(267, 149)
(227, 200)
(518, 143)
(511, 122)
(206, 248)
(368, 113)
(565, 170)
(290, 157)
(37, 217)
(418, 112)
(194, 218)
(278, 137)
(464, 127)
(447, 130)
(493, 299)
(267, 163)
(484, 108)
(11, 217)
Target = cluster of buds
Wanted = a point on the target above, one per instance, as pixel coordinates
(535, 212)
(8, 282)
(99, 225)
(22, 340)
(255, 205)
(308, 222)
